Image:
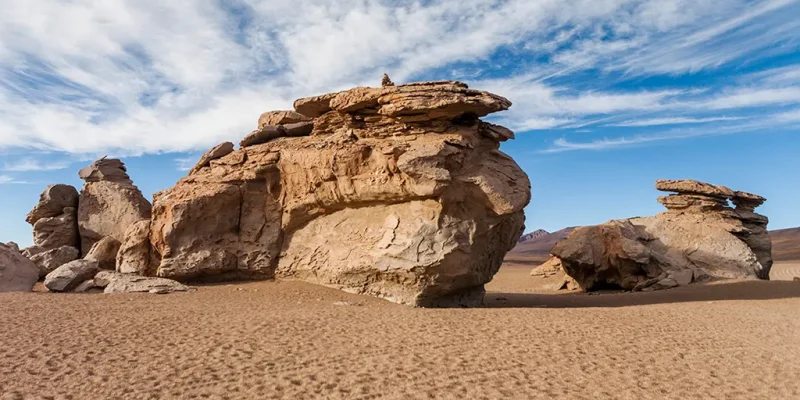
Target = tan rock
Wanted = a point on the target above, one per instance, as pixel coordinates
(263, 135)
(104, 277)
(53, 201)
(109, 203)
(13, 245)
(218, 151)
(85, 286)
(315, 106)
(124, 283)
(275, 118)
(54, 232)
(699, 238)
(135, 255)
(105, 253)
(49, 260)
(17, 273)
(689, 186)
(419, 212)
(70, 275)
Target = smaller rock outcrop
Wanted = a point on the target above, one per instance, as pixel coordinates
(105, 253)
(533, 235)
(127, 283)
(218, 151)
(17, 273)
(109, 203)
(70, 275)
(13, 245)
(699, 238)
(49, 260)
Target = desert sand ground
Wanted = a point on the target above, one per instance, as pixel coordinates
(737, 340)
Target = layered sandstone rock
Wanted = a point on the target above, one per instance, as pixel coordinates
(109, 203)
(700, 237)
(398, 192)
(17, 273)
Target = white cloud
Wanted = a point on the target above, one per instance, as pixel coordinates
(8, 179)
(131, 77)
(185, 164)
(30, 164)
(673, 121)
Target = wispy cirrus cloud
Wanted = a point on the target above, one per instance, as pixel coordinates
(136, 77)
(29, 165)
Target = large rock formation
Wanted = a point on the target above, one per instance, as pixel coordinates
(109, 203)
(398, 192)
(54, 219)
(700, 237)
(17, 273)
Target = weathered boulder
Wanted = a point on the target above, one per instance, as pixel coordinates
(126, 283)
(54, 232)
(699, 238)
(218, 151)
(53, 201)
(109, 203)
(85, 286)
(49, 260)
(104, 277)
(281, 118)
(31, 251)
(105, 253)
(13, 245)
(400, 192)
(135, 255)
(70, 275)
(17, 273)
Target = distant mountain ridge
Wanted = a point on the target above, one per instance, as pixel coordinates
(536, 246)
(533, 235)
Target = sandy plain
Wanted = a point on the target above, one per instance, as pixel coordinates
(733, 340)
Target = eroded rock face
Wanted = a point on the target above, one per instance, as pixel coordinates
(109, 203)
(17, 273)
(135, 255)
(105, 253)
(399, 192)
(700, 237)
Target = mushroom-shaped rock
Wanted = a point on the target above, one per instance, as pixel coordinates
(398, 192)
(17, 273)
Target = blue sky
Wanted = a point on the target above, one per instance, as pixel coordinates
(609, 95)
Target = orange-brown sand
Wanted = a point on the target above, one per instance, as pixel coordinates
(737, 340)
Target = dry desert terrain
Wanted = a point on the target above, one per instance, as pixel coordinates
(733, 340)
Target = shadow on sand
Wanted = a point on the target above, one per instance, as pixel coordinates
(740, 290)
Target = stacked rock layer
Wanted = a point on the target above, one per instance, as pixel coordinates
(700, 237)
(398, 192)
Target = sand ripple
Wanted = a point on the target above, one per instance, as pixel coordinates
(293, 340)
